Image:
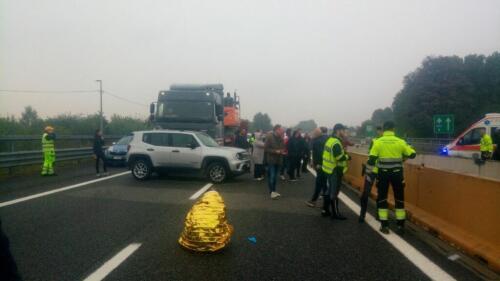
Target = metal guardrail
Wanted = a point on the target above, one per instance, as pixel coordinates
(22, 158)
(422, 145)
(14, 143)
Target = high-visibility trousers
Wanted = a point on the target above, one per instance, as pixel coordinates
(394, 178)
(49, 157)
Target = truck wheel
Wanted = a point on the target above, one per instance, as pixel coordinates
(141, 169)
(217, 172)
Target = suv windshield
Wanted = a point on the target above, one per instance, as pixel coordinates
(186, 111)
(207, 140)
(124, 141)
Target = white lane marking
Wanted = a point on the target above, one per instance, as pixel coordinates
(454, 257)
(201, 191)
(429, 268)
(34, 196)
(113, 263)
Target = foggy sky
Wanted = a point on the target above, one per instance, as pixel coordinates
(332, 61)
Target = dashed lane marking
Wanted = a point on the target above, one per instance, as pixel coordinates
(113, 263)
(429, 268)
(34, 196)
(201, 191)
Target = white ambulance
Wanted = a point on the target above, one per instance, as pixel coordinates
(467, 143)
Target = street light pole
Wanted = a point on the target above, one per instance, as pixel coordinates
(101, 127)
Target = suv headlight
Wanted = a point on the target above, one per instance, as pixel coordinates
(242, 156)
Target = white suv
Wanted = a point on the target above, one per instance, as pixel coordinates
(184, 150)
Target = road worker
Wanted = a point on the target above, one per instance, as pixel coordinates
(388, 153)
(370, 173)
(486, 145)
(334, 166)
(49, 153)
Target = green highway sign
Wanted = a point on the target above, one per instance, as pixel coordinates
(369, 131)
(444, 123)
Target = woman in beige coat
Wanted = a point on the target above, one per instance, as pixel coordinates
(258, 156)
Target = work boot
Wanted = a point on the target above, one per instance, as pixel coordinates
(325, 213)
(384, 229)
(361, 219)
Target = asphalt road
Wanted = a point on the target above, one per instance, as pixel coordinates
(69, 235)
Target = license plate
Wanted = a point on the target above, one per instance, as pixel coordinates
(117, 158)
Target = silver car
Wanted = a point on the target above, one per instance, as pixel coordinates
(173, 150)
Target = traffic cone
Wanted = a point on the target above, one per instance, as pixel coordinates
(206, 228)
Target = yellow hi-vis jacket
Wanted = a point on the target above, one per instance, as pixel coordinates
(390, 150)
(47, 145)
(330, 161)
(486, 144)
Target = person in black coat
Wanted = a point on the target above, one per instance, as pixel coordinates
(295, 151)
(99, 153)
(241, 140)
(306, 152)
(318, 144)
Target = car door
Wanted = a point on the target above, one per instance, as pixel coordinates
(469, 143)
(156, 145)
(185, 151)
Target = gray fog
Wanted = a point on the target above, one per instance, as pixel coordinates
(332, 61)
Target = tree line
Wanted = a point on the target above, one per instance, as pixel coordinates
(467, 87)
(30, 123)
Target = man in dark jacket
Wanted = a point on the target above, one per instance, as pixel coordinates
(318, 144)
(241, 140)
(99, 153)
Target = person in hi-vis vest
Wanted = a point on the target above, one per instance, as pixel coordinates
(49, 152)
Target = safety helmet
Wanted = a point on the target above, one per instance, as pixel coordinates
(49, 129)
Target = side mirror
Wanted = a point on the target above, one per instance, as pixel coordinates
(192, 145)
(460, 141)
(152, 108)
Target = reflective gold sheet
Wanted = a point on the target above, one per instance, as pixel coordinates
(206, 228)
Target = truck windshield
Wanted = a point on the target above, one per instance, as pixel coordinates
(207, 140)
(182, 111)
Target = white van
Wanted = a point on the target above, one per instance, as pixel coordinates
(467, 143)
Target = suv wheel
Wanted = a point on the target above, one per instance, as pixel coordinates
(141, 169)
(217, 172)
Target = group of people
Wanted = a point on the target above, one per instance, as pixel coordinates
(295, 154)
(279, 150)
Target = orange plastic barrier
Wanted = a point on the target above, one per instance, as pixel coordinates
(463, 210)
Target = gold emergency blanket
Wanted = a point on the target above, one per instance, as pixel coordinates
(206, 228)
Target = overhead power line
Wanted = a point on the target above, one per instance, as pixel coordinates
(125, 99)
(71, 91)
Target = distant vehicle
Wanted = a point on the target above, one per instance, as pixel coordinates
(116, 153)
(191, 107)
(467, 143)
(173, 150)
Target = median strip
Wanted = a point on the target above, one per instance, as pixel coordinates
(31, 197)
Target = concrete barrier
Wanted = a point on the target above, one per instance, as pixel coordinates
(461, 209)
